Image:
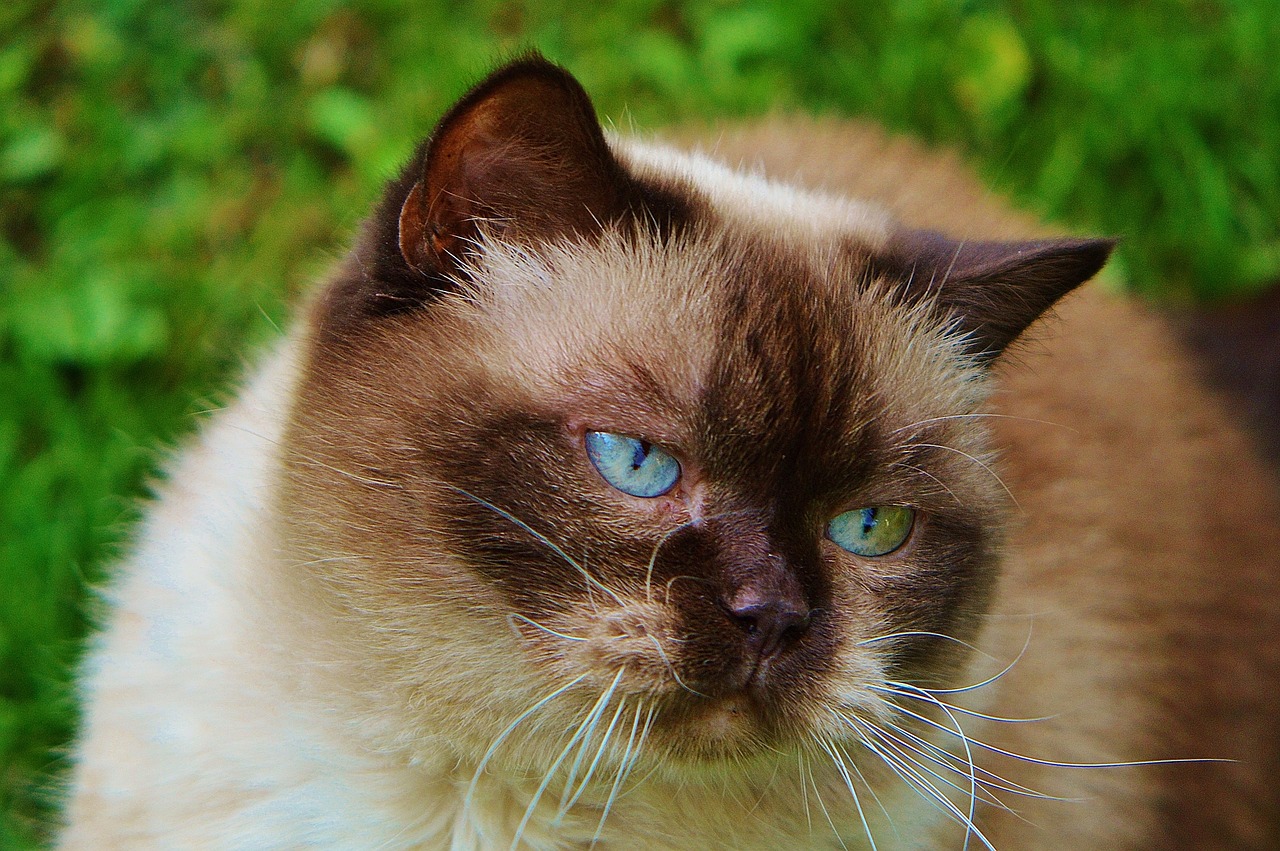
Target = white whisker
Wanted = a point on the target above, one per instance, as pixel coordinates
(640, 743)
(941, 756)
(962, 689)
(900, 749)
(980, 415)
(931, 793)
(316, 462)
(977, 461)
(624, 768)
(972, 775)
(804, 791)
(475, 778)
(581, 735)
(817, 794)
(848, 782)
(514, 616)
(1048, 762)
(671, 669)
(653, 557)
(853, 764)
(924, 472)
(921, 633)
(591, 769)
(915, 692)
(555, 548)
(589, 723)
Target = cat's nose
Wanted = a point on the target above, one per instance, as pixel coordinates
(772, 619)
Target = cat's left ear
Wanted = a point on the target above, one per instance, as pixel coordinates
(995, 290)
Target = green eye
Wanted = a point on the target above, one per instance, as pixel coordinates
(874, 531)
(633, 466)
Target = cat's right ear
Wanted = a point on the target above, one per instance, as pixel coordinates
(522, 157)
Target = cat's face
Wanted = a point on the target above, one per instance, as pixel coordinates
(607, 438)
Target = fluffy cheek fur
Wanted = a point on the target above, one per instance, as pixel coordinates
(438, 497)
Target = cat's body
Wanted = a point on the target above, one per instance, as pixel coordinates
(387, 602)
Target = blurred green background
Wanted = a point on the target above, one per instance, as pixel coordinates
(173, 174)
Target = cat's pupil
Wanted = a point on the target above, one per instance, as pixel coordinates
(641, 454)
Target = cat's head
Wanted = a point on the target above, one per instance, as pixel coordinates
(590, 429)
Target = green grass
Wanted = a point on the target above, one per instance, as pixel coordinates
(172, 174)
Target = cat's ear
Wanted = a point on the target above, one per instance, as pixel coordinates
(993, 289)
(521, 157)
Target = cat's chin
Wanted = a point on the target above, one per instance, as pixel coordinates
(722, 723)
(714, 729)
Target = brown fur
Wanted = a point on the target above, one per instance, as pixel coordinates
(732, 432)
(443, 555)
(1146, 562)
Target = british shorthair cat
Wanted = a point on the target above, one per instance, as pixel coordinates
(609, 497)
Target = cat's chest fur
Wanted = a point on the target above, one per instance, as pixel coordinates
(607, 496)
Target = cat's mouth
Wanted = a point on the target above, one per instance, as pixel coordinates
(733, 724)
(697, 693)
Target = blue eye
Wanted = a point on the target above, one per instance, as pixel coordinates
(632, 466)
(875, 531)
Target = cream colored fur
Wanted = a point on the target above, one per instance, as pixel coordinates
(232, 704)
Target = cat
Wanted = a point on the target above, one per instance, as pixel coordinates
(607, 496)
